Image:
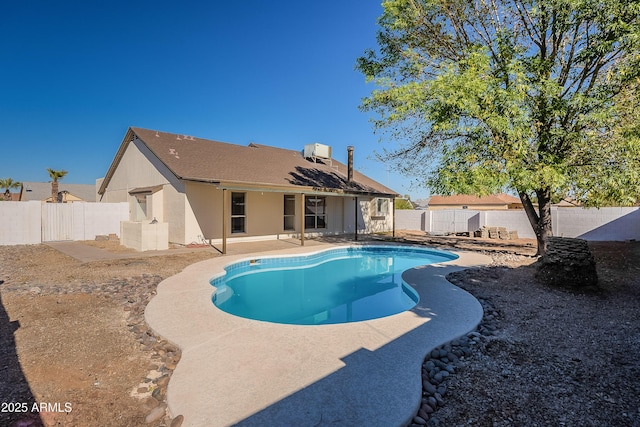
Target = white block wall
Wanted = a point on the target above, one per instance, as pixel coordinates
(590, 224)
(599, 224)
(512, 220)
(95, 219)
(410, 220)
(20, 223)
(451, 220)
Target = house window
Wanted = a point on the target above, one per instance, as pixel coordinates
(289, 212)
(238, 213)
(382, 206)
(315, 212)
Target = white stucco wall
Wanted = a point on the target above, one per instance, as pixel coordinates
(155, 205)
(137, 168)
(264, 214)
(203, 212)
(379, 221)
(143, 236)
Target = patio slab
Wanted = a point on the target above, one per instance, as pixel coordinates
(236, 371)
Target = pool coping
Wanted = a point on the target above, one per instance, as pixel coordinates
(236, 371)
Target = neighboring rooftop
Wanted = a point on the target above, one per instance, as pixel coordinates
(42, 191)
(421, 203)
(195, 159)
(470, 199)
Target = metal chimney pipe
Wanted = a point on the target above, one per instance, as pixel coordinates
(350, 163)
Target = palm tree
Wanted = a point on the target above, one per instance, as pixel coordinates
(55, 177)
(8, 183)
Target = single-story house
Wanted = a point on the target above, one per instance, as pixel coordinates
(421, 204)
(473, 202)
(67, 193)
(208, 191)
(569, 203)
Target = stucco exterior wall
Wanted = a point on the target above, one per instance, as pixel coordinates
(156, 205)
(137, 168)
(374, 221)
(175, 213)
(348, 215)
(143, 236)
(264, 214)
(203, 212)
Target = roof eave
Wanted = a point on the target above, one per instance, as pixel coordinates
(257, 186)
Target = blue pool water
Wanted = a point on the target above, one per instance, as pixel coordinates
(335, 286)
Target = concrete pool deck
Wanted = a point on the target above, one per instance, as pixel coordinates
(236, 371)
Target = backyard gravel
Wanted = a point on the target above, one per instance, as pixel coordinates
(545, 356)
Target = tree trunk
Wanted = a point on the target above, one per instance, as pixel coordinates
(54, 191)
(541, 220)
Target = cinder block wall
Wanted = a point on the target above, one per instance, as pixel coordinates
(615, 223)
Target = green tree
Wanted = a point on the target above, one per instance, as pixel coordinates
(404, 203)
(536, 96)
(7, 184)
(55, 177)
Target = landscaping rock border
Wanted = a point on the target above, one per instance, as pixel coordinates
(443, 361)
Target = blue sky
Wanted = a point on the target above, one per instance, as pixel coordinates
(74, 75)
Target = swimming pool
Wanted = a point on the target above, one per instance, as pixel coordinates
(341, 285)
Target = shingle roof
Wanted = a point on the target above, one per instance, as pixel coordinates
(197, 159)
(470, 199)
(42, 190)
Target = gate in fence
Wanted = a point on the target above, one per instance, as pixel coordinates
(57, 222)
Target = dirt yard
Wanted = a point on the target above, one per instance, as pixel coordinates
(68, 344)
(74, 350)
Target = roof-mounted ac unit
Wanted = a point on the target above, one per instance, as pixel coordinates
(317, 151)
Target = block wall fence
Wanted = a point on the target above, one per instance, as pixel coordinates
(619, 223)
(24, 223)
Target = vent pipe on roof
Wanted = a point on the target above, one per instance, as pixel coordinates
(350, 163)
